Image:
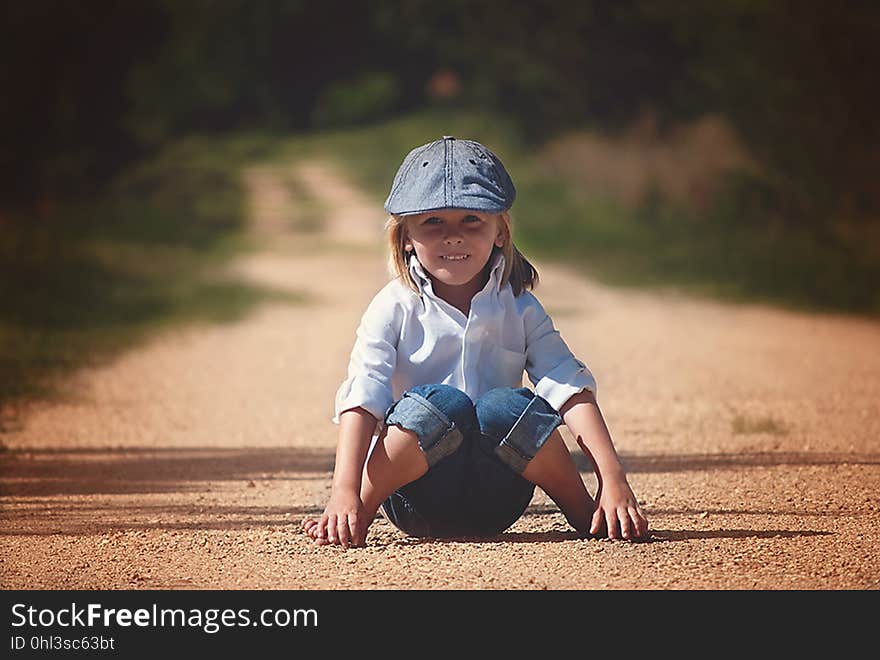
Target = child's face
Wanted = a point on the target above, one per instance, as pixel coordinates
(454, 245)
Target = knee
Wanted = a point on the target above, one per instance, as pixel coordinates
(455, 405)
(499, 409)
(441, 416)
(516, 423)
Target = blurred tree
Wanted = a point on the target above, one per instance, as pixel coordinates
(369, 96)
(550, 64)
(798, 81)
(212, 71)
(269, 63)
(63, 80)
(88, 83)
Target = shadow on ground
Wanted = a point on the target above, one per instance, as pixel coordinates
(656, 536)
(700, 462)
(702, 534)
(35, 483)
(108, 471)
(52, 472)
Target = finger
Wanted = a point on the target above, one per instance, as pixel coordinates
(343, 532)
(639, 521)
(319, 531)
(611, 521)
(331, 529)
(596, 522)
(626, 529)
(360, 538)
(313, 533)
(354, 527)
(322, 527)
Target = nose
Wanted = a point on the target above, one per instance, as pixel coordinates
(452, 235)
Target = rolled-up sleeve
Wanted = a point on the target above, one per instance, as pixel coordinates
(372, 361)
(553, 369)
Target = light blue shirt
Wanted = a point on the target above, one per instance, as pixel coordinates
(406, 339)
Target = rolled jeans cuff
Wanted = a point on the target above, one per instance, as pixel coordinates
(438, 435)
(528, 434)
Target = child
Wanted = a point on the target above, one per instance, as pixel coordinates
(434, 425)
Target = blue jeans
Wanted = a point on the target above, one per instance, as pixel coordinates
(476, 454)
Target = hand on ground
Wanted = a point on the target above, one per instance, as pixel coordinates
(342, 523)
(618, 515)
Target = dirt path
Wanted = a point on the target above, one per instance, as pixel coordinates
(751, 435)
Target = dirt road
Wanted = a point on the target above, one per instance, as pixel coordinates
(751, 435)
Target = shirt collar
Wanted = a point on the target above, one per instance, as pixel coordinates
(420, 275)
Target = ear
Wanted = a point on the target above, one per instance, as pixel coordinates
(501, 236)
(407, 244)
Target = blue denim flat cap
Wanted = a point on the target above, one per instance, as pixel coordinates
(450, 173)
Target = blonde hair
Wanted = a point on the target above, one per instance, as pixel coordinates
(517, 269)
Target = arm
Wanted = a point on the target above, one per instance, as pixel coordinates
(343, 520)
(617, 510)
(360, 402)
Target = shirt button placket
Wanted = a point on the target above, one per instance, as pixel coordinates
(470, 340)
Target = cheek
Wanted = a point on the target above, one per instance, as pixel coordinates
(488, 237)
(420, 235)
(422, 252)
(419, 243)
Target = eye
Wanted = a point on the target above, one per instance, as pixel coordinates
(472, 219)
(433, 220)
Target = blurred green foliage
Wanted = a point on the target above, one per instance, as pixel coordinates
(370, 96)
(80, 281)
(729, 251)
(89, 86)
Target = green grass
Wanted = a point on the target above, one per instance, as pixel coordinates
(85, 280)
(795, 267)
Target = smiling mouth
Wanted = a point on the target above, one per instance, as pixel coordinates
(455, 257)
